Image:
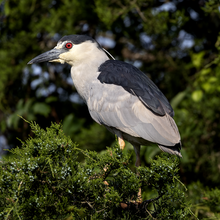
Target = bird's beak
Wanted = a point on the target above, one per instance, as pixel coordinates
(51, 56)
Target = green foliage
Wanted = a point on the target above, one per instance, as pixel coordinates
(212, 199)
(162, 176)
(44, 180)
(152, 34)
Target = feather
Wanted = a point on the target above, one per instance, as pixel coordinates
(137, 83)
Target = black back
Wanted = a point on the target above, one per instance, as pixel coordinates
(137, 83)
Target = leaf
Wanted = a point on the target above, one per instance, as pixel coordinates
(213, 79)
(51, 99)
(206, 86)
(151, 152)
(197, 59)
(205, 71)
(41, 108)
(177, 99)
(197, 95)
(71, 124)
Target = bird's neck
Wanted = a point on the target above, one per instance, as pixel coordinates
(83, 73)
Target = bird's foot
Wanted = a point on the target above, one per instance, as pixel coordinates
(131, 202)
(139, 199)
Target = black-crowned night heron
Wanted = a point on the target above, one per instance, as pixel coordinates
(118, 95)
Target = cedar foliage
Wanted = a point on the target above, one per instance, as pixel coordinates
(44, 180)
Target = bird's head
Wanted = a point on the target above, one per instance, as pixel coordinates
(70, 49)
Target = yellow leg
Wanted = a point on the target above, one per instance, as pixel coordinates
(137, 164)
(121, 143)
(139, 199)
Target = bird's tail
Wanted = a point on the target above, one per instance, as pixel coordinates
(172, 150)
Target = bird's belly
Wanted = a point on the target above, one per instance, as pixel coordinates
(131, 139)
(118, 110)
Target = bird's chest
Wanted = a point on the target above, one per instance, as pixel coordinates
(82, 79)
(106, 97)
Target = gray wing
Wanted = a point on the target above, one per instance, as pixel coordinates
(137, 83)
(112, 106)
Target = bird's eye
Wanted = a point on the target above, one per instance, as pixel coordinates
(69, 45)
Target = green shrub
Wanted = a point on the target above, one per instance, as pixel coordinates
(44, 180)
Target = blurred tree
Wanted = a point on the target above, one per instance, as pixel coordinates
(175, 42)
(198, 109)
(44, 93)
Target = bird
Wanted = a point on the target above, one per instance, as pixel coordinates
(118, 95)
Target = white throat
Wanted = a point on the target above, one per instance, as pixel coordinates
(85, 68)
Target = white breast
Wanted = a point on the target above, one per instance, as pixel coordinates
(85, 69)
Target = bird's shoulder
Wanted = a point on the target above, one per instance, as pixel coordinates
(135, 82)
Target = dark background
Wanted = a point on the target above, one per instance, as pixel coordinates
(176, 43)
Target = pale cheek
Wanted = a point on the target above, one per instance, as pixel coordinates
(57, 61)
(61, 61)
(66, 56)
(69, 58)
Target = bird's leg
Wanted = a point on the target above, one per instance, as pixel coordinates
(137, 152)
(137, 164)
(121, 143)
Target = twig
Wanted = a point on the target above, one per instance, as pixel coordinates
(100, 210)
(23, 119)
(88, 204)
(49, 161)
(8, 213)
(180, 182)
(150, 214)
(84, 153)
(151, 200)
(15, 204)
(192, 213)
(140, 13)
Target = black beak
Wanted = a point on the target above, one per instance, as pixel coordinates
(47, 56)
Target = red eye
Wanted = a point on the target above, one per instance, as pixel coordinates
(69, 45)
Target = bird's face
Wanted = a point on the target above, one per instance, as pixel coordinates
(70, 49)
